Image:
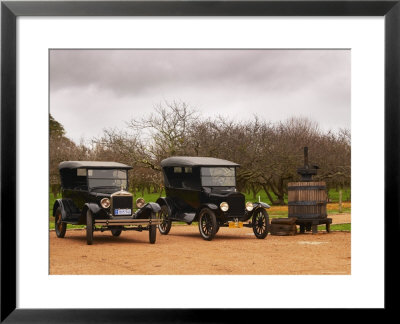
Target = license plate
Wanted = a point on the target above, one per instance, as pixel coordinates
(122, 211)
(235, 224)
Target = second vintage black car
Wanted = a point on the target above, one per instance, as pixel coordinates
(203, 189)
(94, 194)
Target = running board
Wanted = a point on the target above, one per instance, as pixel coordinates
(71, 220)
(185, 217)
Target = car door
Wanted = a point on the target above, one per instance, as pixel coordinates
(185, 192)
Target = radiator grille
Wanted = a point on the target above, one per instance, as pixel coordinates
(121, 202)
(236, 205)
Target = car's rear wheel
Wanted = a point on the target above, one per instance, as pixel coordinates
(165, 223)
(260, 223)
(89, 227)
(116, 232)
(207, 224)
(152, 233)
(59, 226)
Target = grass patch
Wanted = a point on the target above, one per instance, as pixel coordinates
(337, 227)
(273, 212)
(333, 195)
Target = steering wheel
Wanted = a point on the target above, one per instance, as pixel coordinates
(220, 181)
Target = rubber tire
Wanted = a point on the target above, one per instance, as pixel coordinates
(164, 209)
(264, 233)
(213, 219)
(218, 227)
(60, 231)
(152, 234)
(116, 232)
(89, 227)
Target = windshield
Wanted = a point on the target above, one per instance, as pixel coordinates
(218, 177)
(107, 178)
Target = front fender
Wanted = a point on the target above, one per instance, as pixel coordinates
(164, 201)
(155, 208)
(93, 207)
(147, 210)
(67, 208)
(211, 206)
(260, 204)
(256, 205)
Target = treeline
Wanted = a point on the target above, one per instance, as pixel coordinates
(269, 153)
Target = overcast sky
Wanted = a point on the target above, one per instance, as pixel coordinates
(91, 90)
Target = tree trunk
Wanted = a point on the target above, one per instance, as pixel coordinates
(278, 192)
(267, 193)
(254, 191)
(280, 198)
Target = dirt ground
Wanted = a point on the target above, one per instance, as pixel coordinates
(183, 251)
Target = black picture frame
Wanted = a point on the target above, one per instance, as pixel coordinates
(10, 10)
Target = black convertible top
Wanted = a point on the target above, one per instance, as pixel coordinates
(191, 161)
(92, 165)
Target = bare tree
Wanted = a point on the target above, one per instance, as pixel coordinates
(268, 153)
(167, 132)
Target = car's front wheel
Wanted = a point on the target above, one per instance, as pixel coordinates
(165, 223)
(59, 226)
(152, 233)
(260, 223)
(207, 224)
(89, 227)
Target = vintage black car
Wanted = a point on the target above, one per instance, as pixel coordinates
(94, 194)
(203, 189)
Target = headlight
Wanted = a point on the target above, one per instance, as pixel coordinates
(105, 203)
(140, 202)
(249, 206)
(224, 206)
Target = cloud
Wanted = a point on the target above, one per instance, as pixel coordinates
(107, 87)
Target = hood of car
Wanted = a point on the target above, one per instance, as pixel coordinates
(121, 193)
(225, 194)
(221, 191)
(235, 200)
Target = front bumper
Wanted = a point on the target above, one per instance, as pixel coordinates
(127, 222)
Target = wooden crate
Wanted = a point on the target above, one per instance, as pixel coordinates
(283, 229)
(286, 221)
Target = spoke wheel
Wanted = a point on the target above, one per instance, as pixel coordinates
(59, 226)
(89, 227)
(260, 223)
(207, 224)
(165, 226)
